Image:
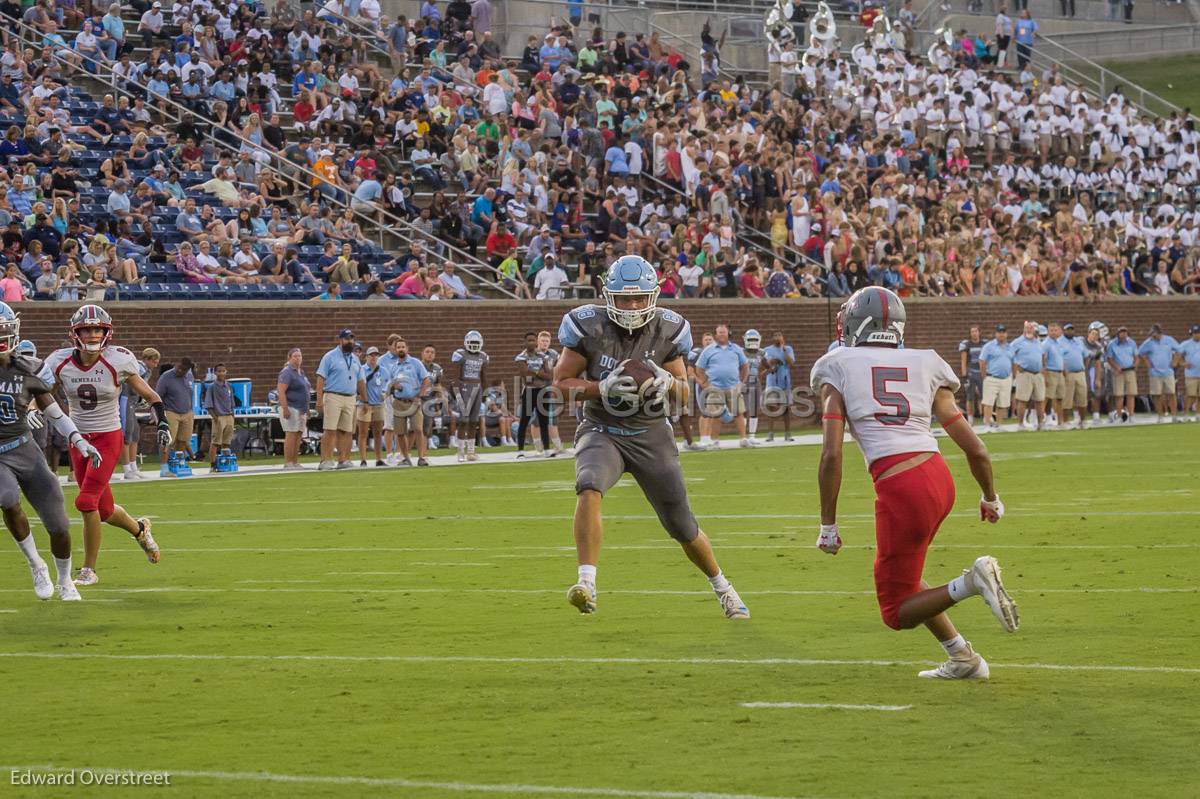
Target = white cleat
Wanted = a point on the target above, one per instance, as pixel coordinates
(146, 541)
(582, 597)
(86, 576)
(472, 456)
(733, 605)
(43, 586)
(754, 442)
(967, 665)
(67, 592)
(984, 576)
(326, 466)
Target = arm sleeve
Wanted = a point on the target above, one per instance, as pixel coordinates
(682, 341)
(570, 333)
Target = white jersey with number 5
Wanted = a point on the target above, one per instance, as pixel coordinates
(888, 395)
(93, 394)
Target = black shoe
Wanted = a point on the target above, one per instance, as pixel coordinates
(362, 463)
(422, 462)
(380, 463)
(213, 466)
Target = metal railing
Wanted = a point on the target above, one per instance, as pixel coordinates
(1144, 12)
(399, 228)
(1144, 41)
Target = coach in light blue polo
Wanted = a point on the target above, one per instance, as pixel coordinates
(720, 370)
(996, 364)
(1159, 353)
(1075, 390)
(339, 382)
(1189, 353)
(1121, 354)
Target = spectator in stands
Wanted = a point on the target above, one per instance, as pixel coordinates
(13, 284)
(175, 388)
(1026, 29)
(551, 280)
(453, 285)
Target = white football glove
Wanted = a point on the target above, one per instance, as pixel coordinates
(829, 541)
(86, 449)
(991, 511)
(664, 381)
(35, 420)
(619, 386)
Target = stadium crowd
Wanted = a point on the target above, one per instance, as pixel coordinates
(944, 178)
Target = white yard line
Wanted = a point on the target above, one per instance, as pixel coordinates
(578, 661)
(402, 783)
(179, 589)
(822, 706)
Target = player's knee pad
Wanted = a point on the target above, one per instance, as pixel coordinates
(87, 502)
(891, 616)
(587, 480)
(679, 521)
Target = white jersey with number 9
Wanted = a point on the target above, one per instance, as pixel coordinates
(92, 393)
(888, 395)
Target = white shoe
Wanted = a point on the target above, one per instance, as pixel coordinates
(43, 586)
(345, 465)
(130, 474)
(86, 576)
(984, 576)
(472, 456)
(582, 597)
(146, 541)
(714, 445)
(744, 443)
(326, 466)
(390, 460)
(963, 666)
(67, 592)
(1194, 418)
(754, 442)
(733, 605)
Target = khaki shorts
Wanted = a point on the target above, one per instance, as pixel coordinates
(1075, 392)
(338, 412)
(293, 421)
(1125, 383)
(1031, 386)
(369, 413)
(222, 431)
(1192, 384)
(1054, 385)
(997, 392)
(407, 416)
(1162, 385)
(715, 401)
(180, 425)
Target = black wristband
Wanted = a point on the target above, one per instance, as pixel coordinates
(159, 412)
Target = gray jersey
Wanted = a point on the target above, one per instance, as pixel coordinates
(588, 331)
(19, 384)
(435, 376)
(472, 363)
(755, 360)
(536, 361)
(972, 349)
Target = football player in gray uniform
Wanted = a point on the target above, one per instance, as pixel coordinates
(752, 390)
(472, 372)
(23, 467)
(623, 426)
(552, 406)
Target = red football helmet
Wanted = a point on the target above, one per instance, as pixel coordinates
(90, 316)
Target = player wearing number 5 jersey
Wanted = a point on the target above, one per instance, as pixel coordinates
(92, 373)
(887, 398)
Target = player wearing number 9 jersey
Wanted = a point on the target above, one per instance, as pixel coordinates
(92, 373)
(887, 397)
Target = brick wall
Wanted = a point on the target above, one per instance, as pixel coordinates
(253, 337)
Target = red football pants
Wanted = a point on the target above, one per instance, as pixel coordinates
(94, 490)
(909, 508)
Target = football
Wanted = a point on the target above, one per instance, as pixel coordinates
(642, 374)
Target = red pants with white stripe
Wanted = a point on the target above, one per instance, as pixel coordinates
(909, 508)
(94, 490)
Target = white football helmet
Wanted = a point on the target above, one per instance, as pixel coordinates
(473, 341)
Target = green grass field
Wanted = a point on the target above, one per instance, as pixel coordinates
(406, 634)
(1166, 77)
